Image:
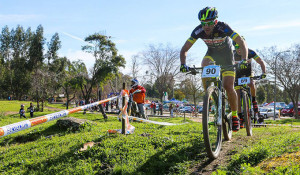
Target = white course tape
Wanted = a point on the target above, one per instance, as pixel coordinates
(153, 122)
(276, 125)
(19, 126)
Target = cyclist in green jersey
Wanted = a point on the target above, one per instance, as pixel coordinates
(248, 72)
(216, 36)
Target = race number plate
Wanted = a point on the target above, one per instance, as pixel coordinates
(211, 71)
(244, 80)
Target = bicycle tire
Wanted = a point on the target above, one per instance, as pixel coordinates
(212, 133)
(246, 111)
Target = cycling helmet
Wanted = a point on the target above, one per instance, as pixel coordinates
(208, 13)
(134, 83)
(235, 44)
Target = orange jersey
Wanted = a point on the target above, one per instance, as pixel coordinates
(139, 97)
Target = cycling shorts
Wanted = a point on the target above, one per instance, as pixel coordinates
(223, 57)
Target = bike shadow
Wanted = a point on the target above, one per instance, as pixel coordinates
(168, 160)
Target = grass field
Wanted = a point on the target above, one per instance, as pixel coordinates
(151, 149)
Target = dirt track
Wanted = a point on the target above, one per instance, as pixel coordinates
(206, 167)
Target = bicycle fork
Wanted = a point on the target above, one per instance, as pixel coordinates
(220, 94)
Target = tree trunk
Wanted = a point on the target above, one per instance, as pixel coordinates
(42, 105)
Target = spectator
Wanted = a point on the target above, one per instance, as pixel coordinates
(139, 97)
(171, 109)
(31, 110)
(154, 108)
(22, 111)
(151, 108)
(161, 108)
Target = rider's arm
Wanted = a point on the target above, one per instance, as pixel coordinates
(262, 64)
(243, 46)
(183, 53)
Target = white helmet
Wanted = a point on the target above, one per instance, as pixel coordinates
(134, 83)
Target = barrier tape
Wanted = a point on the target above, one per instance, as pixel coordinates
(276, 125)
(129, 129)
(154, 122)
(19, 126)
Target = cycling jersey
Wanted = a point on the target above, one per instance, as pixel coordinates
(218, 42)
(251, 54)
(139, 97)
(244, 72)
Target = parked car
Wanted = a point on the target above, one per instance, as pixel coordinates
(166, 107)
(288, 111)
(268, 112)
(279, 105)
(186, 109)
(200, 109)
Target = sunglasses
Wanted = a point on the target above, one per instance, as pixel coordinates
(237, 46)
(209, 23)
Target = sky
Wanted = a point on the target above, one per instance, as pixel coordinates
(134, 24)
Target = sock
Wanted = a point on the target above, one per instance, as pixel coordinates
(253, 99)
(234, 113)
(240, 115)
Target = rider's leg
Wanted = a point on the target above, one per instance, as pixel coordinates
(253, 94)
(228, 84)
(240, 115)
(207, 60)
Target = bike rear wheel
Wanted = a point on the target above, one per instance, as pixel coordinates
(246, 111)
(212, 132)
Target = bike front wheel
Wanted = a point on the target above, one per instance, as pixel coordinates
(212, 131)
(246, 112)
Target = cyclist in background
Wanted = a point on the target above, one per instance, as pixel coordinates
(246, 70)
(216, 36)
(139, 97)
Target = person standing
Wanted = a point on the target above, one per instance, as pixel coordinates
(22, 112)
(171, 109)
(31, 110)
(138, 95)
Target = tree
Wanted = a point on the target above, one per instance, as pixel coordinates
(192, 87)
(53, 46)
(260, 94)
(135, 66)
(35, 61)
(36, 49)
(5, 40)
(178, 94)
(107, 63)
(162, 62)
(287, 67)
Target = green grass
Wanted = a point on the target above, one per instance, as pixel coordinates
(284, 121)
(268, 143)
(151, 149)
(171, 149)
(6, 106)
(59, 106)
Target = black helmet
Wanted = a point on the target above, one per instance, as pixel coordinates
(208, 13)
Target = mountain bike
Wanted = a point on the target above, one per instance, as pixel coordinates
(249, 115)
(216, 115)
